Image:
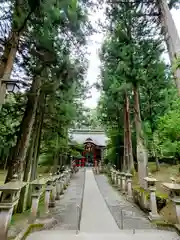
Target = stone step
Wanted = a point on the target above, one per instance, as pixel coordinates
(123, 234)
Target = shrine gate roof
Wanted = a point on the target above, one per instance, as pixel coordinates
(81, 135)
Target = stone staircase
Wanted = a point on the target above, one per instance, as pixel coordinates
(122, 235)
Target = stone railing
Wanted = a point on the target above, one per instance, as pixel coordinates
(51, 187)
(146, 197)
(123, 181)
(174, 196)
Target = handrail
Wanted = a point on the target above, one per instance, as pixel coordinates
(122, 219)
(79, 208)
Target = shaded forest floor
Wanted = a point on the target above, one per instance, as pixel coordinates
(162, 176)
(43, 170)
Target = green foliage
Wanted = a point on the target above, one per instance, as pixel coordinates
(10, 117)
(53, 35)
(131, 57)
(167, 136)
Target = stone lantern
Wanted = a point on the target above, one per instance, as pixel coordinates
(37, 186)
(69, 175)
(151, 185)
(123, 182)
(114, 176)
(111, 171)
(129, 185)
(49, 187)
(62, 183)
(119, 180)
(174, 195)
(53, 180)
(66, 173)
(58, 186)
(10, 198)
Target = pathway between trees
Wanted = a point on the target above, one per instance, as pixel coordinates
(101, 218)
(132, 216)
(96, 217)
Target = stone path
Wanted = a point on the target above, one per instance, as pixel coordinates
(123, 235)
(99, 217)
(132, 216)
(96, 217)
(65, 211)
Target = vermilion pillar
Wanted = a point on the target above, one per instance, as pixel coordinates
(95, 161)
(83, 160)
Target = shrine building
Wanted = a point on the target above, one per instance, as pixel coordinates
(94, 142)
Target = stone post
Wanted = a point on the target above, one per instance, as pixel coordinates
(100, 167)
(153, 215)
(129, 185)
(97, 170)
(52, 202)
(173, 180)
(126, 182)
(62, 183)
(10, 198)
(114, 177)
(36, 193)
(112, 174)
(119, 180)
(151, 184)
(174, 196)
(117, 172)
(58, 187)
(66, 177)
(123, 182)
(69, 175)
(47, 195)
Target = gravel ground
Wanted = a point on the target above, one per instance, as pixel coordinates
(65, 211)
(133, 217)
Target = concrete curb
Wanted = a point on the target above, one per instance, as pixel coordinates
(81, 204)
(169, 227)
(34, 227)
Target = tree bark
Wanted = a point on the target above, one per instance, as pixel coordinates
(155, 156)
(20, 149)
(56, 155)
(142, 155)
(129, 137)
(126, 153)
(39, 123)
(36, 147)
(11, 46)
(171, 37)
(32, 152)
(22, 200)
(6, 64)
